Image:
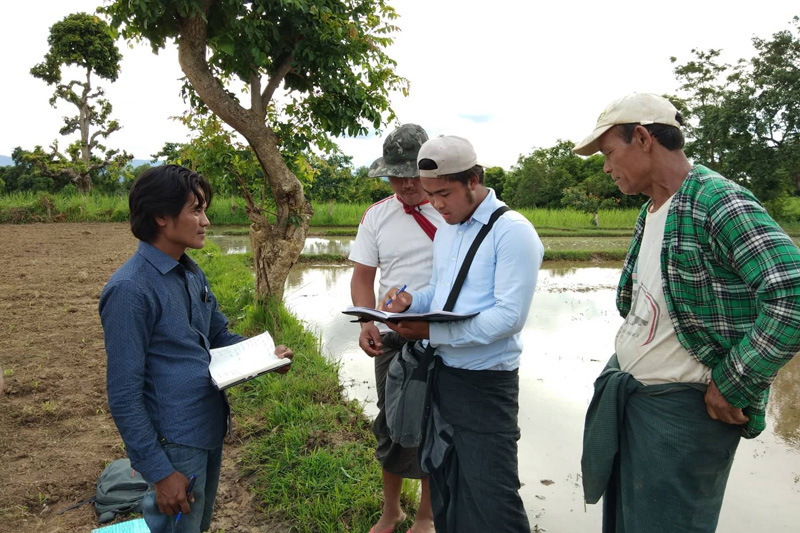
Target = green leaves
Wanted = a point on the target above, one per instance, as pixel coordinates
(87, 42)
(745, 121)
(82, 40)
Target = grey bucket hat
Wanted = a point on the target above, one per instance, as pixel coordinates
(400, 149)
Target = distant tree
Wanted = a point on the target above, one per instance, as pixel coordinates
(333, 179)
(24, 177)
(215, 152)
(539, 179)
(596, 190)
(84, 41)
(330, 59)
(367, 189)
(495, 177)
(776, 84)
(170, 153)
(744, 118)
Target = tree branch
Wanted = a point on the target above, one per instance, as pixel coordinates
(256, 105)
(192, 41)
(275, 81)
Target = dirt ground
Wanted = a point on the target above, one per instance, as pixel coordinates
(56, 434)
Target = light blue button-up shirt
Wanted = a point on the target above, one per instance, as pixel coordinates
(499, 286)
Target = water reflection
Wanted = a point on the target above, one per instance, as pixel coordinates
(239, 244)
(568, 337)
(784, 406)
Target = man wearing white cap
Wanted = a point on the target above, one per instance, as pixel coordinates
(395, 236)
(710, 293)
(472, 458)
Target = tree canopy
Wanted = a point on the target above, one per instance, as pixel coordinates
(83, 41)
(556, 177)
(311, 69)
(744, 117)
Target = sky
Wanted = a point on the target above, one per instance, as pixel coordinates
(509, 75)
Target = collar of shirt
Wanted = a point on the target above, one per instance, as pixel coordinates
(161, 261)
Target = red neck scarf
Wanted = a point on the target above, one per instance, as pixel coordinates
(414, 210)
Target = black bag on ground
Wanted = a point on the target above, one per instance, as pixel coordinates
(407, 402)
(120, 489)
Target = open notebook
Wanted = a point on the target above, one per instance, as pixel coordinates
(243, 361)
(365, 314)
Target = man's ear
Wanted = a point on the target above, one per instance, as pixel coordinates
(642, 138)
(473, 182)
(161, 221)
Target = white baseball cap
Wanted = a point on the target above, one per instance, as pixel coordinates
(451, 155)
(636, 108)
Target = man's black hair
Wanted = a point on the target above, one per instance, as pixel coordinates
(669, 137)
(162, 191)
(463, 176)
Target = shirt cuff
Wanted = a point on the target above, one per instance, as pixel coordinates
(730, 386)
(415, 306)
(154, 469)
(438, 333)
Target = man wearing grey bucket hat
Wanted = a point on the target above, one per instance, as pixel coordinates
(395, 235)
(710, 294)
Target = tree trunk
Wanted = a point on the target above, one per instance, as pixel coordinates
(596, 220)
(83, 182)
(273, 257)
(275, 247)
(330, 208)
(84, 120)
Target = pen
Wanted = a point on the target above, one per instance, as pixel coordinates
(189, 490)
(402, 289)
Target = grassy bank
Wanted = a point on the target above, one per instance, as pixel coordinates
(309, 451)
(22, 208)
(25, 208)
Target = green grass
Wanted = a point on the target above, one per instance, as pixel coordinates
(322, 258)
(309, 451)
(575, 256)
(623, 219)
(342, 215)
(23, 208)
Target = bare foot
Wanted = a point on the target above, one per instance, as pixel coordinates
(422, 525)
(388, 523)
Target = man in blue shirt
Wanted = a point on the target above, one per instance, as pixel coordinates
(476, 385)
(160, 320)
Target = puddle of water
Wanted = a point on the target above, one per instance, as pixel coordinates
(239, 244)
(568, 337)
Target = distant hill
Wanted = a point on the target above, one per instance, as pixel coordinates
(6, 161)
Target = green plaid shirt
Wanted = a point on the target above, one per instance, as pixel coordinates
(731, 280)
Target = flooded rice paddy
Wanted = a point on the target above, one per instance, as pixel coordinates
(239, 244)
(568, 338)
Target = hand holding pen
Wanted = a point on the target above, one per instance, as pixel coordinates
(189, 490)
(399, 296)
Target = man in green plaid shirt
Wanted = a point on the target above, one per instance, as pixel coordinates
(710, 293)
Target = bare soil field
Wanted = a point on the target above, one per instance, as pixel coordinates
(56, 434)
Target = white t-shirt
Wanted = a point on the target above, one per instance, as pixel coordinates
(647, 345)
(391, 240)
